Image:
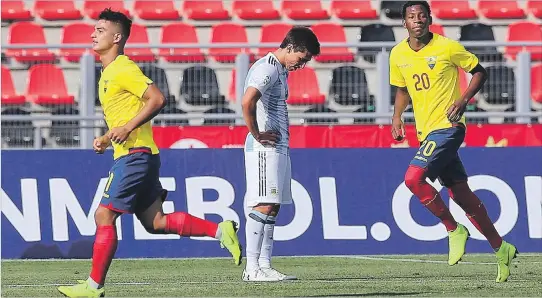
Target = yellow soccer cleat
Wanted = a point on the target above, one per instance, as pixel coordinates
(229, 240)
(506, 253)
(81, 290)
(457, 242)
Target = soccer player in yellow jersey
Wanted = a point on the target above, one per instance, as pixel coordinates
(424, 68)
(130, 100)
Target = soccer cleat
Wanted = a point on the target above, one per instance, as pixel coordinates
(276, 274)
(506, 253)
(258, 276)
(82, 289)
(457, 242)
(229, 240)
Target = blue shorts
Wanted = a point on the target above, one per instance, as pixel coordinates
(133, 183)
(439, 157)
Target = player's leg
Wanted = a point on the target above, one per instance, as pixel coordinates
(456, 182)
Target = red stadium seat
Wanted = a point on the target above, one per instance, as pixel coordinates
(450, 10)
(500, 9)
(536, 83)
(28, 33)
(524, 31)
(332, 33)
(9, 95)
(436, 28)
(138, 34)
(272, 33)
(93, 8)
(76, 33)
(14, 10)
(304, 10)
(353, 9)
(170, 34)
(205, 10)
(53, 10)
(535, 7)
(228, 33)
(303, 88)
(255, 10)
(156, 10)
(46, 86)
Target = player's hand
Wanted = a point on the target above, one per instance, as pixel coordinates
(268, 138)
(100, 144)
(397, 129)
(119, 134)
(455, 112)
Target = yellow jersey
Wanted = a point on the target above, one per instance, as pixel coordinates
(432, 79)
(121, 88)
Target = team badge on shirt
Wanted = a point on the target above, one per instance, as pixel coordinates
(431, 61)
(105, 85)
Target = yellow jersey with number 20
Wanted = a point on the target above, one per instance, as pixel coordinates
(432, 79)
(121, 88)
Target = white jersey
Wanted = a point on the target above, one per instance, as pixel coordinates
(271, 79)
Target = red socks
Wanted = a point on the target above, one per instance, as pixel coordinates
(476, 213)
(429, 197)
(184, 224)
(105, 246)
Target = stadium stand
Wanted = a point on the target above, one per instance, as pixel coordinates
(92, 8)
(9, 95)
(156, 10)
(75, 33)
(525, 31)
(139, 35)
(205, 10)
(17, 133)
(353, 10)
(170, 34)
(453, 10)
(199, 87)
(304, 10)
(52, 10)
(14, 10)
(374, 32)
(480, 32)
(329, 32)
(349, 86)
(273, 32)
(228, 33)
(255, 10)
(28, 33)
(304, 89)
(47, 87)
(392, 9)
(500, 9)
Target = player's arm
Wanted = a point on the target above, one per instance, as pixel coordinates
(402, 99)
(469, 63)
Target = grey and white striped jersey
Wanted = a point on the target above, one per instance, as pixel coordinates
(271, 79)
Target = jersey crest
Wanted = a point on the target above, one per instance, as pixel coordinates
(431, 61)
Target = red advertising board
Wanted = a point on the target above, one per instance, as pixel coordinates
(344, 136)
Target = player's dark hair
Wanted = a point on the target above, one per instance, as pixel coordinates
(118, 18)
(301, 39)
(412, 3)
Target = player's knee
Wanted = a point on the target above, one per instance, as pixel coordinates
(414, 177)
(105, 217)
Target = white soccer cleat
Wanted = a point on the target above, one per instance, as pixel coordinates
(276, 274)
(258, 276)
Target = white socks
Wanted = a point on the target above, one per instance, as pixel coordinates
(267, 243)
(254, 235)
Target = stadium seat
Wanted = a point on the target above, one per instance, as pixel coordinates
(536, 83)
(14, 10)
(272, 33)
(437, 28)
(368, 108)
(535, 8)
(76, 33)
(392, 9)
(374, 32)
(228, 33)
(17, 133)
(500, 9)
(349, 86)
(255, 10)
(524, 31)
(205, 10)
(199, 86)
(170, 110)
(139, 35)
(54, 10)
(304, 10)
(65, 133)
(480, 32)
(9, 95)
(170, 34)
(452, 10)
(500, 87)
(28, 33)
(46, 86)
(318, 120)
(93, 8)
(304, 88)
(218, 121)
(156, 10)
(353, 9)
(332, 33)
(159, 77)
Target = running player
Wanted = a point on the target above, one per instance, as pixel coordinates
(424, 67)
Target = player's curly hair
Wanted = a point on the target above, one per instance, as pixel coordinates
(412, 3)
(301, 39)
(117, 18)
